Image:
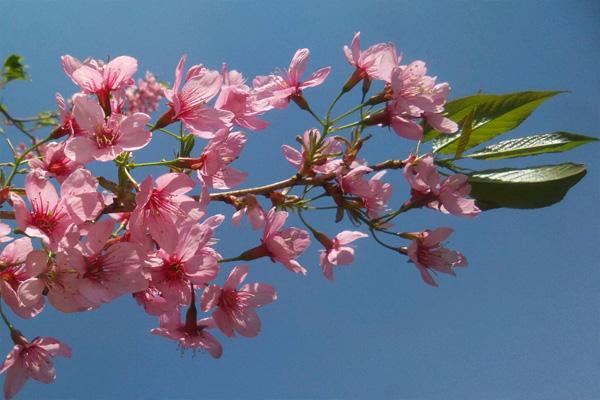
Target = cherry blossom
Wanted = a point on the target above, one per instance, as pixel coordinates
(235, 307)
(104, 139)
(377, 62)
(427, 188)
(337, 251)
(50, 215)
(160, 205)
(99, 78)
(250, 207)
(238, 98)
(144, 97)
(178, 264)
(188, 103)
(428, 254)
(31, 360)
(53, 162)
(278, 89)
(316, 155)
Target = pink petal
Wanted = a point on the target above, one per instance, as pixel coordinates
(235, 278)
(134, 135)
(440, 123)
(11, 358)
(179, 73)
(200, 89)
(263, 294)
(119, 71)
(346, 237)
(205, 121)
(298, 65)
(175, 183)
(246, 322)
(316, 78)
(98, 235)
(275, 221)
(210, 297)
(292, 155)
(15, 379)
(427, 278)
(88, 79)
(54, 347)
(70, 65)
(81, 149)
(406, 128)
(223, 321)
(212, 345)
(343, 256)
(437, 236)
(41, 190)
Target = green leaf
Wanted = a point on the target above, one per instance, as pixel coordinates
(14, 68)
(465, 135)
(533, 187)
(554, 142)
(494, 115)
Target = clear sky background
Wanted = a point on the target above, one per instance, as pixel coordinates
(521, 322)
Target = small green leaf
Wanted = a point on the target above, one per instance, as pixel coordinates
(533, 187)
(554, 142)
(14, 68)
(494, 115)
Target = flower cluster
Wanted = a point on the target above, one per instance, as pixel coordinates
(88, 239)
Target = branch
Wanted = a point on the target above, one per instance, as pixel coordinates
(298, 180)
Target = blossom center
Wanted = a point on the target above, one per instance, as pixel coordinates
(45, 217)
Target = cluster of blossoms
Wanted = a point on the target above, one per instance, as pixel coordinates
(155, 240)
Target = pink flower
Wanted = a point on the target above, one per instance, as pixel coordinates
(145, 97)
(235, 308)
(153, 301)
(251, 207)
(68, 126)
(188, 105)
(282, 245)
(104, 139)
(20, 287)
(50, 215)
(413, 95)
(237, 98)
(374, 193)
(428, 254)
(190, 333)
(96, 77)
(105, 271)
(213, 165)
(278, 89)
(159, 209)
(315, 156)
(447, 196)
(31, 360)
(337, 251)
(416, 95)
(53, 162)
(177, 265)
(377, 62)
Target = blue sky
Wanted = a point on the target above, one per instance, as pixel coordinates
(522, 321)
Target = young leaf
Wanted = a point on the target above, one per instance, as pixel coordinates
(554, 142)
(532, 187)
(14, 68)
(494, 115)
